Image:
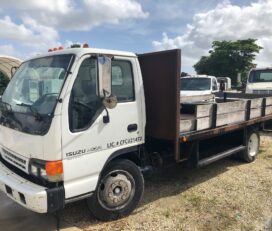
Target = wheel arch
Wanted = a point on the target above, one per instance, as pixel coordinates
(131, 153)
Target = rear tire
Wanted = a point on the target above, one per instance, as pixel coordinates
(119, 191)
(252, 147)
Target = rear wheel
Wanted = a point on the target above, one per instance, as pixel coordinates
(119, 191)
(252, 147)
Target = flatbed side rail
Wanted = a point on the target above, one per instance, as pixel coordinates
(191, 136)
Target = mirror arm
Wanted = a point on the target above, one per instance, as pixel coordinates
(106, 118)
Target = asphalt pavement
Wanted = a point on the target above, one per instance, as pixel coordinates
(14, 217)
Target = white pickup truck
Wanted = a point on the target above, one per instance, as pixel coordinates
(198, 85)
(259, 81)
(83, 123)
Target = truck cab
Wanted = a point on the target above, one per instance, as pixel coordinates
(198, 85)
(259, 81)
(56, 132)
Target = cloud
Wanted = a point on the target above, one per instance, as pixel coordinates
(77, 15)
(29, 33)
(225, 22)
(8, 50)
(58, 6)
(39, 24)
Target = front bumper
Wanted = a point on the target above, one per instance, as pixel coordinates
(32, 196)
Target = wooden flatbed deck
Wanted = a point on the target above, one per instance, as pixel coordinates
(200, 121)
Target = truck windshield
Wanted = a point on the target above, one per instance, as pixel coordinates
(195, 84)
(259, 76)
(32, 94)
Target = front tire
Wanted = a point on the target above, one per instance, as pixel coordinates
(119, 191)
(252, 147)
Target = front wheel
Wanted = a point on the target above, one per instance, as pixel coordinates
(119, 191)
(252, 147)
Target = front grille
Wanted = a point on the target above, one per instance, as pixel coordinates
(262, 91)
(26, 176)
(14, 159)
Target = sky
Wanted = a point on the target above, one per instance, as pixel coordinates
(30, 27)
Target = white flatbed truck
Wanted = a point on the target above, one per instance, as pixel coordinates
(83, 123)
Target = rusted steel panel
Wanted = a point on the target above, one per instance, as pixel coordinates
(161, 78)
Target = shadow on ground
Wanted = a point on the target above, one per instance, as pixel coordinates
(159, 183)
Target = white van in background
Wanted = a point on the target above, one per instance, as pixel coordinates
(226, 81)
(259, 81)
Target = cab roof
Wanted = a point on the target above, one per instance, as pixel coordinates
(261, 69)
(198, 76)
(81, 51)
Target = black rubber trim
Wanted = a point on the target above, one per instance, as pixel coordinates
(121, 152)
(55, 199)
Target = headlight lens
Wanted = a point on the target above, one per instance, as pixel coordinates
(34, 170)
(51, 171)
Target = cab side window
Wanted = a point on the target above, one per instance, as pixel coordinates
(122, 81)
(85, 105)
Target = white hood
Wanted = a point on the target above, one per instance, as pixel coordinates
(192, 93)
(260, 86)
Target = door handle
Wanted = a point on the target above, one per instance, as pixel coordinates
(132, 127)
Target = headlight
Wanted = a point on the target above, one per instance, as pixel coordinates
(48, 170)
(34, 170)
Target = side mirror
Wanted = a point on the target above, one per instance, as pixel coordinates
(104, 89)
(104, 73)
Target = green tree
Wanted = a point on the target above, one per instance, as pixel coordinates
(3, 82)
(228, 58)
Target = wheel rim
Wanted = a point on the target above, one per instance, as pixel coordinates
(116, 190)
(253, 144)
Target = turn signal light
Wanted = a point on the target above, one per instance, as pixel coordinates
(54, 168)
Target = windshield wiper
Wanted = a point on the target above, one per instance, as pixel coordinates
(34, 112)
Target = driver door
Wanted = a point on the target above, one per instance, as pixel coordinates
(87, 141)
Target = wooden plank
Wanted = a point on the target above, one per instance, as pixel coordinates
(203, 110)
(187, 125)
(229, 118)
(268, 101)
(196, 98)
(256, 103)
(229, 107)
(268, 110)
(204, 123)
(187, 117)
(255, 112)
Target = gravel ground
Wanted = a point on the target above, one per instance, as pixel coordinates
(226, 195)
